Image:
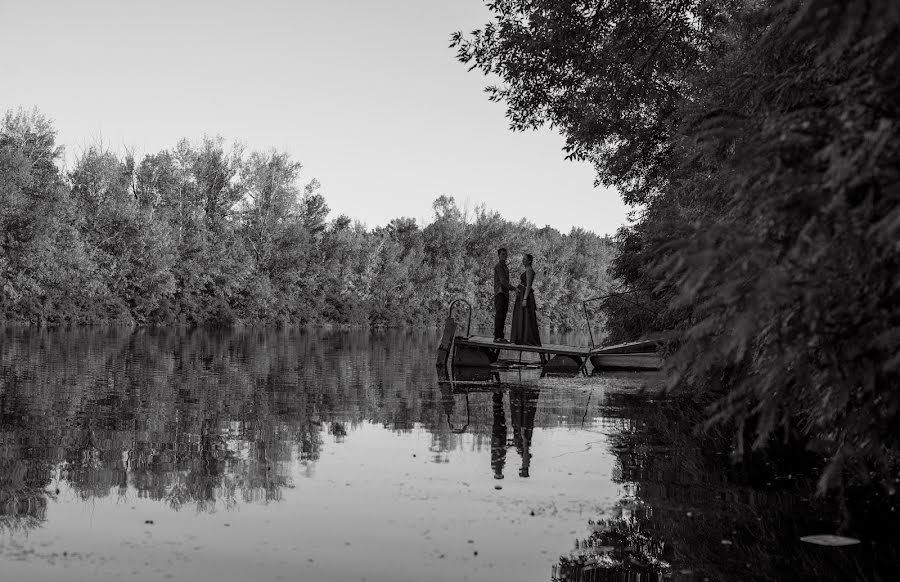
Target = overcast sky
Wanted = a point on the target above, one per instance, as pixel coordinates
(365, 94)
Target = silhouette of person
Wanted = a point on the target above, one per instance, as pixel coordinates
(498, 436)
(522, 407)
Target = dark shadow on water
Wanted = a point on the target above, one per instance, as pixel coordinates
(692, 514)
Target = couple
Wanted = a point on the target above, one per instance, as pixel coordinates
(524, 322)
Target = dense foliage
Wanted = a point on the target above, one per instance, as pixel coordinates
(204, 234)
(761, 139)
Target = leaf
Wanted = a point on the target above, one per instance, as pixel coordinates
(829, 540)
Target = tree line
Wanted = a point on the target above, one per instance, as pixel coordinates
(207, 234)
(760, 141)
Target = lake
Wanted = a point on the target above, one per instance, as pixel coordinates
(342, 455)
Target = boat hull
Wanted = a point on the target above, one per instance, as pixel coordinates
(646, 361)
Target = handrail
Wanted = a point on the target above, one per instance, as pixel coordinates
(469, 307)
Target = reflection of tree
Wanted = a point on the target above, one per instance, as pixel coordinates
(211, 419)
(691, 509)
(617, 549)
(23, 494)
(23, 480)
(187, 418)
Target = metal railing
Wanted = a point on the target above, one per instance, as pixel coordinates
(469, 307)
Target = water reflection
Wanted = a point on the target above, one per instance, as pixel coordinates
(617, 549)
(498, 436)
(206, 422)
(522, 405)
(211, 420)
(694, 515)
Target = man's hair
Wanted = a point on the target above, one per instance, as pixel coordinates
(530, 258)
(501, 250)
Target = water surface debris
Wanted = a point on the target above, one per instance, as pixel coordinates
(830, 540)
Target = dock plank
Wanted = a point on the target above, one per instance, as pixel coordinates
(553, 349)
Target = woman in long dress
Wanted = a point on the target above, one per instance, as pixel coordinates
(524, 321)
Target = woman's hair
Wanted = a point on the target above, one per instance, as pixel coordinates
(530, 258)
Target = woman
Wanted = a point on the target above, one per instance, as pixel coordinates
(524, 322)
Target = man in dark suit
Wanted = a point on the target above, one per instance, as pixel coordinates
(501, 295)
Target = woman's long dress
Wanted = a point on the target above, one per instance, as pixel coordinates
(524, 322)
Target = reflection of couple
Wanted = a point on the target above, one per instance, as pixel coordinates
(524, 329)
(522, 407)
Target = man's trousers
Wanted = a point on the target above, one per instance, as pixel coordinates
(501, 307)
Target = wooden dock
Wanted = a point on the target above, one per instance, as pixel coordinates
(478, 351)
(547, 349)
(483, 351)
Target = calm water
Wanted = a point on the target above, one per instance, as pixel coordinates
(265, 455)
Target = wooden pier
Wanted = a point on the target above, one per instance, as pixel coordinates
(482, 351)
(481, 341)
(478, 351)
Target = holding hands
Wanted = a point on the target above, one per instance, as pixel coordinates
(521, 291)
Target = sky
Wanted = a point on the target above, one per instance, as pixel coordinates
(365, 94)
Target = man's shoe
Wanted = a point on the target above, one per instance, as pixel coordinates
(501, 340)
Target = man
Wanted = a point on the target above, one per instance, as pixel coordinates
(501, 296)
